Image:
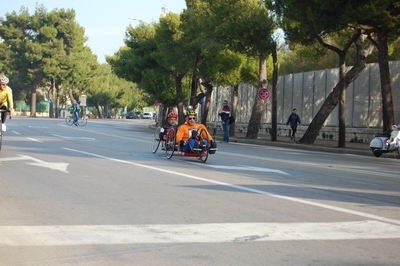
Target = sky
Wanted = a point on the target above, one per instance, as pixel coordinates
(105, 21)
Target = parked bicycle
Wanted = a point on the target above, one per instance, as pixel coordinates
(82, 121)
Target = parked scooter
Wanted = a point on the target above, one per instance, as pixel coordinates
(386, 142)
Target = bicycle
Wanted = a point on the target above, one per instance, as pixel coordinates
(82, 121)
(1, 131)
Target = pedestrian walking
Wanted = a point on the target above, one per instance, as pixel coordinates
(293, 120)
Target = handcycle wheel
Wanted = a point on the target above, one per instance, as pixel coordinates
(170, 143)
(83, 121)
(69, 120)
(156, 140)
(203, 144)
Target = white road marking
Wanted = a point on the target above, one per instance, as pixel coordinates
(68, 137)
(37, 162)
(193, 233)
(35, 140)
(37, 127)
(298, 200)
(319, 166)
(16, 133)
(247, 168)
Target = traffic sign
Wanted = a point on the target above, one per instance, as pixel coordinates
(264, 94)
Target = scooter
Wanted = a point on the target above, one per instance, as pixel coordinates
(386, 142)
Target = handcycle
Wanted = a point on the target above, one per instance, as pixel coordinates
(201, 149)
(157, 140)
(82, 121)
(1, 131)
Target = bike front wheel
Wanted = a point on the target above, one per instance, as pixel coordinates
(156, 140)
(69, 120)
(170, 143)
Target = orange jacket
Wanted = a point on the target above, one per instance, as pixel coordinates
(184, 132)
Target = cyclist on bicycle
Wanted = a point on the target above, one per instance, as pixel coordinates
(187, 134)
(172, 121)
(76, 110)
(6, 101)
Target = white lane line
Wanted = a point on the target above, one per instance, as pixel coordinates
(298, 200)
(67, 137)
(36, 140)
(320, 166)
(193, 233)
(246, 168)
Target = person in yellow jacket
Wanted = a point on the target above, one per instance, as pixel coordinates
(6, 101)
(187, 133)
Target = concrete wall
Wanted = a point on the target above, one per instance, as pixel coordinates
(307, 91)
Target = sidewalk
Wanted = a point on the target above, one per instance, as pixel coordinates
(319, 145)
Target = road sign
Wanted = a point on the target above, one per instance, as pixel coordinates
(264, 94)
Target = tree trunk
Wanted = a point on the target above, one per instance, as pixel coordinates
(342, 101)
(179, 98)
(386, 89)
(255, 118)
(193, 101)
(332, 100)
(274, 125)
(51, 93)
(98, 110)
(234, 100)
(57, 102)
(33, 99)
(207, 104)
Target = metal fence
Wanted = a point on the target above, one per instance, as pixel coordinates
(307, 91)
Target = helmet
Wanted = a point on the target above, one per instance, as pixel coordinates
(172, 115)
(191, 112)
(4, 79)
(79, 102)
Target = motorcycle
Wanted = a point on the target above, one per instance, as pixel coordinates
(386, 142)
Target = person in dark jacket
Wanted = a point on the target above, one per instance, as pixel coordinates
(293, 120)
(226, 112)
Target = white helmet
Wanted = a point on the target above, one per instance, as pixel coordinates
(4, 79)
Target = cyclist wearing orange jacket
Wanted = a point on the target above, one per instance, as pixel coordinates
(187, 133)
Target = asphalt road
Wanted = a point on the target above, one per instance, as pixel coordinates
(96, 195)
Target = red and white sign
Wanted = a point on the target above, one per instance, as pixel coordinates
(264, 94)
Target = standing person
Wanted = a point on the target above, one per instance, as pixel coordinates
(6, 101)
(293, 119)
(187, 133)
(76, 110)
(226, 112)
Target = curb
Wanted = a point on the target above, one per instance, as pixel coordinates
(312, 147)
